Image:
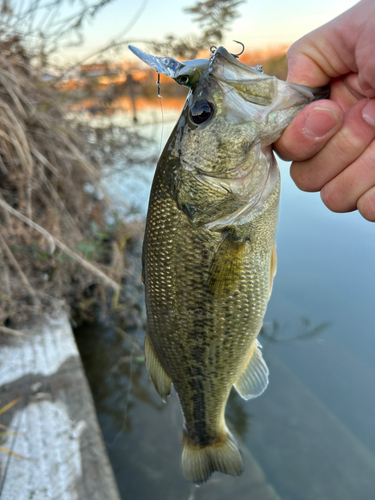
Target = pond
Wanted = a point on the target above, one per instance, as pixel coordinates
(311, 435)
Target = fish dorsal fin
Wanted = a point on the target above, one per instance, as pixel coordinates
(226, 266)
(254, 377)
(160, 378)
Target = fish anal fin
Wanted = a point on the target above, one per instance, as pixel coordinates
(254, 377)
(199, 462)
(226, 266)
(160, 378)
(273, 267)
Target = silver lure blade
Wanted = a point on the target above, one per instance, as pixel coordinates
(165, 65)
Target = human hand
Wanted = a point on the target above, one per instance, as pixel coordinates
(332, 142)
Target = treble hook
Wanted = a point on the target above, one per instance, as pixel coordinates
(242, 51)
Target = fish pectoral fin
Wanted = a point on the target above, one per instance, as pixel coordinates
(226, 266)
(254, 378)
(160, 378)
(273, 268)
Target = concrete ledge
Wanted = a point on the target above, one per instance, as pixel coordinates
(55, 424)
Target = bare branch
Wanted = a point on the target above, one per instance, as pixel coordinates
(52, 239)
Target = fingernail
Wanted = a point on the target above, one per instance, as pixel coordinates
(368, 112)
(319, 122)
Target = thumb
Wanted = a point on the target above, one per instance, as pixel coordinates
(310, 130)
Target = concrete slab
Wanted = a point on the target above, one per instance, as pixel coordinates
(53, 426)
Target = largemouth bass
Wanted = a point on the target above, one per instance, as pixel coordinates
(209, 256)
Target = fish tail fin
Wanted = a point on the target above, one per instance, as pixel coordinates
(199, 462)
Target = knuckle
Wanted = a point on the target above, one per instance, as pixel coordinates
(366, 206)
(297, 48)
(303, 178)
(288, 148)
(333, 199)
(349, 142)
(291, 51)
(282, 149)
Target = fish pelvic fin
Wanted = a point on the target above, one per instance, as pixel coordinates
(160, 378)
(199, 462)
(253, 380)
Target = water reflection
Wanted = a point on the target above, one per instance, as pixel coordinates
(114, 364)
(274, 332)
(237, 415)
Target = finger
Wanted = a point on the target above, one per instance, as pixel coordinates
(366, 87)
(342, 46)
(316, 58)
(368, 112)
(342, 193)
(302, 68)
(342, 149)
(365, 51)
(366, 205)
(343, 93)
(310, 131)
(352, 82)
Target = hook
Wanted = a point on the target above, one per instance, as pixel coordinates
(242, 51)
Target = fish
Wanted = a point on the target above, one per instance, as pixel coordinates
(209, 254)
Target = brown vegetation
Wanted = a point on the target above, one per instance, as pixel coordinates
(54, 241)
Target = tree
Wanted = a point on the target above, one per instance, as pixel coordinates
(213, 18)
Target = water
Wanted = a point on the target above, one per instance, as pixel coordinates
(311, 435)
(129, 189)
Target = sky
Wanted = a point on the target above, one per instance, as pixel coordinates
(265, 23)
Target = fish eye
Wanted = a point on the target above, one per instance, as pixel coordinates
(183, 80)
(201, 111)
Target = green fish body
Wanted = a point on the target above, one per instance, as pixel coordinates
(209, 255)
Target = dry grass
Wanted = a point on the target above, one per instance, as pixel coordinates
(46, 162)
(7, 432)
